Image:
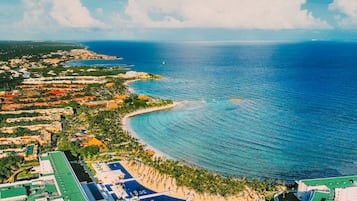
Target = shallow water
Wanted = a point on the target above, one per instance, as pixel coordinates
(286, 111)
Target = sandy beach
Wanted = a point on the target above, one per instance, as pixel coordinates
(152, 179)
(126, 124)
(128, 82)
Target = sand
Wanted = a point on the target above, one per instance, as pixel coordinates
(152, 179)
(131, 90)
(126, 124)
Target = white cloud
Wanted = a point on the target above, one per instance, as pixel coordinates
(71, 13)
(99, 11)
(242, 14)
(35, 14)
(348, 8)
(44, 14)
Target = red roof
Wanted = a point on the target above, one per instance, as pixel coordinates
(55, 92)
(9, 96)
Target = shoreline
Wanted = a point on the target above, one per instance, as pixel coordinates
(152, 179)
(125, 123)
(127, 82)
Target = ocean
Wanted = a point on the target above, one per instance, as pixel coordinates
(258, 110)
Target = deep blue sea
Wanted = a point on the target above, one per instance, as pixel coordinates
(268, 110)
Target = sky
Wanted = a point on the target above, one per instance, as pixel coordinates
(197, 20)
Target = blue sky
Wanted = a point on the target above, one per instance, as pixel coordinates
(240, 20)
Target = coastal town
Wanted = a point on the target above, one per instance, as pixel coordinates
(63, 137)
(38, 98)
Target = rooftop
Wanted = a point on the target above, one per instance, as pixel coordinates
(12, 192)
(336, 182)
(31, 190)
(332, 184)
(65, 177)
(57, 182)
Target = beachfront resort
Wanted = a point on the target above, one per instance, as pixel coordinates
(58, 182)
(39, 97)
(322, 189)
(63, 136)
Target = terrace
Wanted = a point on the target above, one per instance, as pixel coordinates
(326, 188)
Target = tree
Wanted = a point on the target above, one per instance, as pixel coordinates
(8, 165)
(90, 150)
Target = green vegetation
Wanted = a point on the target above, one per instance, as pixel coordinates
(90, 150)
(25, 114)
(94, 70)
(19, 132)
(103, 123)
(107, 93)
(8, 81)
(76, 71)
(24, 123)
(8, 165)
(72, 104)
(76, 149)
(10, 146)
(200, 180)
(46, 72)
(26, 175)
(32, 49)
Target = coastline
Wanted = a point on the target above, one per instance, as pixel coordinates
(169, 182)
(152, 179)
(125, 122)
(127, 82)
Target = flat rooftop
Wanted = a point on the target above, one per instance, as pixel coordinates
(9, 192)
(66, 179)
(331, 183)
(31, 190)
(57, 182)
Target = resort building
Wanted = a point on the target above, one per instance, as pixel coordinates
(328, 189)
(57, 182)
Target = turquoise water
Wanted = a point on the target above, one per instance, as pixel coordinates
(295, 116)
